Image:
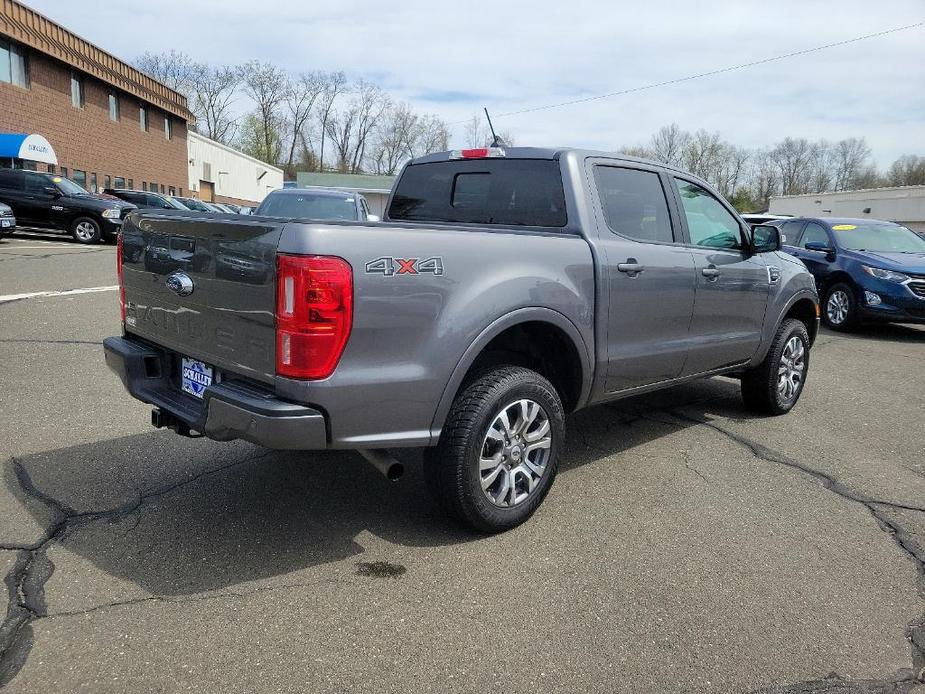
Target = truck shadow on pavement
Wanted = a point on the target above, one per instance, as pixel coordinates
(179, 517)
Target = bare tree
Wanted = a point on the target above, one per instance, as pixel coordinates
(849, 157)
(908, 170)
(476, 133)
(431, 134)
(267, 85)
(394, 138)
(213, 95)
(820, 172)
(173, 68)
(300, 101)
(668, 144)
(793, 157)
(335, 83)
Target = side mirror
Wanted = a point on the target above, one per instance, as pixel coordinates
(765, 239)
(52, 191)
(818, 246)
(373, 218)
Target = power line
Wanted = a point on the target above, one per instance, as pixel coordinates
(710, 73)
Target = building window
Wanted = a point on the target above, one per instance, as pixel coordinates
(93, 188)
(51, 168)
(144, 186)
(162, 188)
(171, 191)
(152, 187)
(113, 106)
(168, 128)
(14, 67)
(64, 172)
(143, 117)
(77, 90)
(80, 178)
(131, 184)
(107, 182)
(181, 192)
(120, 182)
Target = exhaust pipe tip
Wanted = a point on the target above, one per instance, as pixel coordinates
(384, 463)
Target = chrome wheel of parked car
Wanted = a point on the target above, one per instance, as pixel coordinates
(837, 307)
(792, 366)
(514, 453)
(86, 230)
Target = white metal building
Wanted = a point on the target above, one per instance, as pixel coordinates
(905, 205)
(221, 173)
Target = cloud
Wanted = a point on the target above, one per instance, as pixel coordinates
(514, 55)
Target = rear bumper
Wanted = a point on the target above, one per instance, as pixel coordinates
(228, 410)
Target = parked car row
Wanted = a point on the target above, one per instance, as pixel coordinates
(50, 201)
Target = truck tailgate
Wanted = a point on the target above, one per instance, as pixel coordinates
(204, 286)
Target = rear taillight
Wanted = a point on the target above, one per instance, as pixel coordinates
(121, 280)
(314, 313)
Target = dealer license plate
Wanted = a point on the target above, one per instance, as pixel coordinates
(5, 223)
(195, 377)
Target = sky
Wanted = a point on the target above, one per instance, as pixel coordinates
(451, 59)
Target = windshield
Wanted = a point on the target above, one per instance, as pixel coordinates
(878, 237)
(194, 204)
(176, 204)
(67, 186)
(309, 206)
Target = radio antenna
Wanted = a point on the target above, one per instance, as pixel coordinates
(495, 140)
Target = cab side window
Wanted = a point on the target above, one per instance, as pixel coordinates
(815, 234)
(634, 203)
(36, 184)
(709, 223)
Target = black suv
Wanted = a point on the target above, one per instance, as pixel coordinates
(54, 202)
(145, 200)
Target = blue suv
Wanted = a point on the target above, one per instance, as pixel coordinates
(865, 269)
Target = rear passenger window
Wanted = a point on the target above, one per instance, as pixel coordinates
(790, 232)
(10, 179)
(709, 223)
(634, 203)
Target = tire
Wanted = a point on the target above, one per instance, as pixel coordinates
(86, 230)
(763, 388)
(516, 476)
(840, 308)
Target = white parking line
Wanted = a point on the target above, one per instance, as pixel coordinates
(65, 292)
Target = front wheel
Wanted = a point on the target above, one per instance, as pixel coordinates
(498, 452)
(840, 310)
(774, 386)
(86, 230)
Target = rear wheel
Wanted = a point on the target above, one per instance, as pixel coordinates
(840, 310)
(498, 452)
(774, 386)
(86, 230)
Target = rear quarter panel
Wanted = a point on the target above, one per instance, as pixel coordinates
(411, 330)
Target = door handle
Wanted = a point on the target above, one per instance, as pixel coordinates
(711, 273)
(630, 267)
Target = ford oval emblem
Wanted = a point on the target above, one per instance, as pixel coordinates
(180, 283)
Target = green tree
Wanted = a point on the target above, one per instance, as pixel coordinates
(259, 141)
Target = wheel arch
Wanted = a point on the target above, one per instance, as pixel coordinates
(575, 380)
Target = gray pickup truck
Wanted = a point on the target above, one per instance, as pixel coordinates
(504, 289)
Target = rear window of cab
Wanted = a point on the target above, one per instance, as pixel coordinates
(506, 192)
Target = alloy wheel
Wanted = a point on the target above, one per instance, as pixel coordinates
(85, 231)
(792, 369)
(515, 453)
(837, 307)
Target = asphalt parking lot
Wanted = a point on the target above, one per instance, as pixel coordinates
(685, 547)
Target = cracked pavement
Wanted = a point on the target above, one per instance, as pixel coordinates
(684, 546)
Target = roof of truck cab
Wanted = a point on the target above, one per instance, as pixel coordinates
(550, 153)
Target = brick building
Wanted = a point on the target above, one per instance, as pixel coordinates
(109, 124)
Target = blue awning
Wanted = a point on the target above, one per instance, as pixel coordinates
(30, 147)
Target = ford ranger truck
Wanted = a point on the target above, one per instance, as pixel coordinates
(504, 289)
